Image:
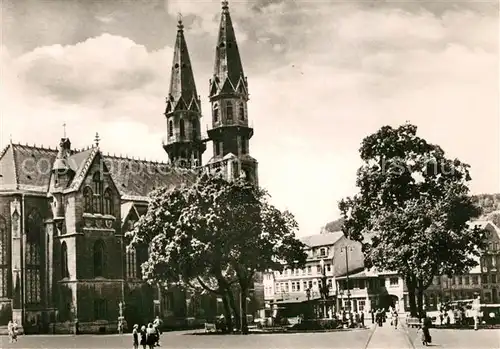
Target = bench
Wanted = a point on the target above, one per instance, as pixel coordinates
(209, 327)
(413, 322)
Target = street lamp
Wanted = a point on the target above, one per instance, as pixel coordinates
(324, 287)
(346, 249)
(308, 295)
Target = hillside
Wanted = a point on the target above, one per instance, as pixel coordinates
(333, 226)
(490, 203)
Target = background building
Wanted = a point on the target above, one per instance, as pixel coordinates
(359, 289)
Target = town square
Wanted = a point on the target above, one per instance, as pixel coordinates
(249, 174)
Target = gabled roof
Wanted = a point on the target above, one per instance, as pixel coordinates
(360, 275)
(28, 168)
(318, 240)
(127, 208)
(485, 224)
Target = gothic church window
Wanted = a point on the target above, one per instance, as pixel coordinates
(98, 258)
(3, 258)
(87, 199)
(64, 261)
(182, 129)
(170, 128)
(194, 128)
(108, 202)
(98, 186)
(131, 263)
(244, 149)
(34, 240)
(216, 113)
(242, 111)
(229, 111)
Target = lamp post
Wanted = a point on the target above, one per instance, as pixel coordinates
(346, 249)
(324, 287)
(308, 295)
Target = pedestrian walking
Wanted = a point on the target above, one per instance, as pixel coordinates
(120, 326)
(14, 331)
(151, 337)
(372, 313)
(157, 323)
(10, 327)
(362, 317)
(135, 336)
(395, 319)
(426, 335)
(144, 337)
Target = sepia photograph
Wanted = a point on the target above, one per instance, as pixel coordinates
(250, 174)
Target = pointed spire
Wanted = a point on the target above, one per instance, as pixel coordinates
(227, 55)
(97, 139)
(182, 83)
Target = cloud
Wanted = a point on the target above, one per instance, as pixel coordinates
(106, 65)
(321, 77)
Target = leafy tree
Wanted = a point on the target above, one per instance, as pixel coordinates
(413, 206)
(214, 235)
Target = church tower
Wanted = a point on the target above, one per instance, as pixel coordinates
(231, 131)
(183, 142)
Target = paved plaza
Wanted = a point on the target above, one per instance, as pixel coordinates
(373, 338)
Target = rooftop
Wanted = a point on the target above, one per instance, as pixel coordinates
(319, 240)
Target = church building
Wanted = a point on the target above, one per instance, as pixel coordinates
(64, 212)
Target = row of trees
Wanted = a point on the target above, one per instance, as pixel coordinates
(213, 237)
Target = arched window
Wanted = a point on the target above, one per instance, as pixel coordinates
(242, 111)
(98, 253)
(108, 202)
(131, 263)
(170, 128)
(3, 258)
(216, 112)
(34, 253)
(194, 128)
(98, 184)
(87, 200)
(229, 111)
(244, 148)
(64, 261)
(182, 129)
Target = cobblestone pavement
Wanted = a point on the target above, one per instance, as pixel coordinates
(388, 337)
(459, 339)
(343, 339)
(384, 337)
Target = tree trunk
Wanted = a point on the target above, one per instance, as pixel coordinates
(232, 303)
(227, 314)
(411, 296)
(420, 302)
(243, 310)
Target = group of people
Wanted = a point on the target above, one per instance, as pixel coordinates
(352, 319)
(12, 331)
(147, 336)
(379, 316)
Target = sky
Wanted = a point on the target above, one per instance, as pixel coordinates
(322, 75)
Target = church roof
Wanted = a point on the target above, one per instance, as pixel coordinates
(28, 168)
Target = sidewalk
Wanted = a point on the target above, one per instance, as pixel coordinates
(387, 337)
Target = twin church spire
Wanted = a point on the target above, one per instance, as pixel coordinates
(228, 95)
